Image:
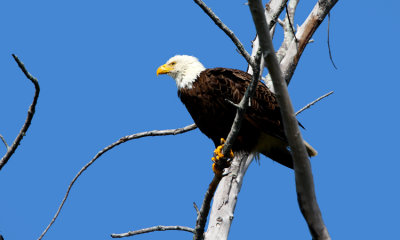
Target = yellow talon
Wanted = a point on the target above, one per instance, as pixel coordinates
(219, 156)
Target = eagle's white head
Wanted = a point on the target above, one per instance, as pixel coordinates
(183, 68)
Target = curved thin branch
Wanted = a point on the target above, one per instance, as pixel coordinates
(5, 142)
(329, 45)
(196, 208)
(31, 112)
(226, 30)
(109, 147)
(152, 229)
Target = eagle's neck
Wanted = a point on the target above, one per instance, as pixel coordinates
(186, 76)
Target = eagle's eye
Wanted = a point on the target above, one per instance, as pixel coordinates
(173, 63)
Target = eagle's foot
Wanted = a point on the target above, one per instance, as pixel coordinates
(220, 161)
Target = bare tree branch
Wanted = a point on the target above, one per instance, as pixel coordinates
(109, 147)
(226, 30)
(313, 102)
(31, 112)
(303, 174)
(152, 229)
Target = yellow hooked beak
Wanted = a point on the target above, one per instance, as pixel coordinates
(164, 69)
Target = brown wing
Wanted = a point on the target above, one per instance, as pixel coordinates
(206, 102)
(263, 112)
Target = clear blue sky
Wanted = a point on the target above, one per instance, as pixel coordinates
(96, 64)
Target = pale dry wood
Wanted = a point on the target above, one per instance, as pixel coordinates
(31, 112)
(304, 34)
(303, 174)
(106, 149)
(288, 29)
(225, 198)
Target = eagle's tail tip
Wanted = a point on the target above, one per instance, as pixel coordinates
(310, 150)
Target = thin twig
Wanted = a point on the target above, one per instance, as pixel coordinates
(303, 174)
(31, 112)
(109, 147)
(313, 102)
(152, 229)
(329, 46)
(197, 208)
(226, 30)
(4, 141)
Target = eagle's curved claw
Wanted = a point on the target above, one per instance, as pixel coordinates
(219, 166)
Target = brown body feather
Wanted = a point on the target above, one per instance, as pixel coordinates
(262, 128)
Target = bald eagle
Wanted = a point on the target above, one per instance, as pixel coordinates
(205, 92)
